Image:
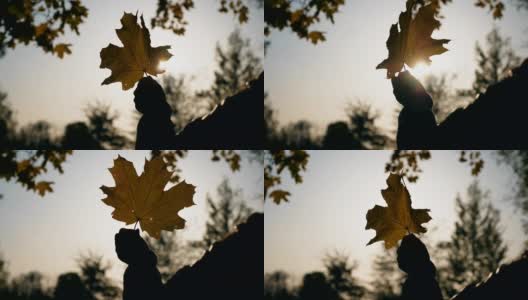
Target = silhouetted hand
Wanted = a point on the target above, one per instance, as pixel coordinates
(414, 260)
(410, 92)
(155, 129)
(130, 247)
(148, 95)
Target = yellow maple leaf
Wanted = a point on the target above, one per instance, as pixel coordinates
(143, 199)
(413, 43)
(129, 63)
(392, 223)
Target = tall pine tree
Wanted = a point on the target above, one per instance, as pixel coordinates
(493, 63)
(476, 247)
(237, 65)
(224, 214)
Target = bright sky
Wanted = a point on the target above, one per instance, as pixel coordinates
(60, 89)
(325, 77)
(327, 211)
(47, 234)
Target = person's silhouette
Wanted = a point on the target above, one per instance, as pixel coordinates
(495, 120)
(231, 269)
(507, 282)
(155, 129)
(414, 260)
(235, 123)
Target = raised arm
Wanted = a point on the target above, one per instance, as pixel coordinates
(416, 123)
(142, 279)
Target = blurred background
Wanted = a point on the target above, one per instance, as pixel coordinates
(323, 89)
(51, 102)
(57, 236)
(315, 238)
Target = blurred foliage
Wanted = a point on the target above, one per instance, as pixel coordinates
(70, 286)
(98, 131)
(518, 161)
(93, 274)
(100, 123)
(493, 64)
(40, 21)
(91, 283)
(171, 157)
(476, 247)
(224, 214)
(407, 162)
(183, 101)
(337, 282)
(339, 273)
(170, 14)
(444, 101)
(300, 16)
(358, 132)
(45, 21)
(276, 161)
(24, 167)
(387, 278)
(237, 64)
(173, 253)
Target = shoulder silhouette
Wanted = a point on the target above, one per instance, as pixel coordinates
(231, 269)
(235, 123)
(495, 120)
(507, 282)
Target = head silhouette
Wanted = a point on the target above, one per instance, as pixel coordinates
(150, 98)
(413, 257)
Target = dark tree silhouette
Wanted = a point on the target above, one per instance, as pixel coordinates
(518, 161)
(315, 286)
(93, 273)
(100, 122)
(70, 286)
(387, 277)
(362, 119)
(224, 214)
(444, 97)
(237, 65)
(78, 136)
(494, 63)
(476, 247)
(339, 273)
(36, 135)
(173, 253)
(182, 100)
(298, 135)
(40, 21)
(29, 286)
(277, 286)
(7, 123)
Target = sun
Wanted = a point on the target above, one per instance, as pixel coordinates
(420, 70)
